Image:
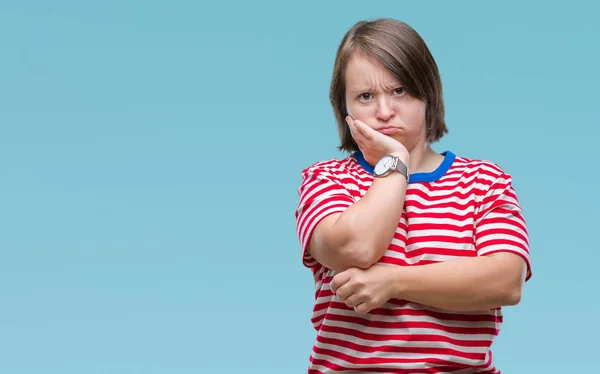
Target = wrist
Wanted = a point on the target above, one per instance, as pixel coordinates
(404, 156)
(397, 282)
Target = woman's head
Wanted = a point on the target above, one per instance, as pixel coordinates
(385, 76)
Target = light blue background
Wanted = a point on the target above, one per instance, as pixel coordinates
(150, 154)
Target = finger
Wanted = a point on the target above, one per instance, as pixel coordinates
(344, 291)
(358, 137)
(339, 280)
(353, 300)
(362, 308)
(363, 130)
(349, 122)
(351, 127)
(360, 142)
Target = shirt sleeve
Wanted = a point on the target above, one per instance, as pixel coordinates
(321, 193)
(500, 225)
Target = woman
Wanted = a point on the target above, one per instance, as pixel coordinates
(413, 252)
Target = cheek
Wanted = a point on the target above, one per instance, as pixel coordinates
(368, 120)
(422, 111)
(417, 115)
(352, 109)
(363, 113)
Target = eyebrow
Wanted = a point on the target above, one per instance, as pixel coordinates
(391, 86)
(360, 89)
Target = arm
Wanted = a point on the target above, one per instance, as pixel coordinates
(492, 279)
(469, 284)
(495, 277)
(339, 233)
(350, 239)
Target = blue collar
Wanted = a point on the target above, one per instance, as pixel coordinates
(417, 177)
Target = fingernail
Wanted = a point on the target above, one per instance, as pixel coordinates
(349, 120)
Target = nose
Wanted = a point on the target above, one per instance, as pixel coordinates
(384, 110)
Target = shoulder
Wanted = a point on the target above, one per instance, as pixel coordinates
(328, 176)
(332, 167)
(479, 169)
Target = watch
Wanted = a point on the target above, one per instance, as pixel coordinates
(387, 164)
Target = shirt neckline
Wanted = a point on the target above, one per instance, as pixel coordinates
(432, 176)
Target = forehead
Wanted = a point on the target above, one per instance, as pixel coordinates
(362, 71)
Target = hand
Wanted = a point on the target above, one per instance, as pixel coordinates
(364, 290)
(373, 144)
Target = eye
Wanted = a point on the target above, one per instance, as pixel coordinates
(399, 91)
(365, 96)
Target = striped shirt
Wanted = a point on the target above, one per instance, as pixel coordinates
(465, 208)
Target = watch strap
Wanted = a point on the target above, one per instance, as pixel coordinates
(401, 167)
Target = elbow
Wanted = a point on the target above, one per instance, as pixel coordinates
(364, 261)
(360, 256)
(513, 290)
(515, 297)
(512, 296)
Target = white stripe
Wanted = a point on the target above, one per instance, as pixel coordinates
(503, 248)
(516, 227)
(466, 202)
(410, 318)
(508, 203)
(407, 330)
(463, 234)
(468, 221)
(438, 210)
(422, 257)
(437, 244)
(403, 343)
(313, 190)
(484, 239)
(306, 230)
(384, 355)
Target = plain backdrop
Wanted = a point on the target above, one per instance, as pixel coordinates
(150, 154)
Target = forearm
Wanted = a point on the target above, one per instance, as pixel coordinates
(360, 235)
(470, 284)
(371, 222)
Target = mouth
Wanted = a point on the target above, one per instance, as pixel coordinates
(388, 130)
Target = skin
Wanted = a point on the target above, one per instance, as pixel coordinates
(385, 119)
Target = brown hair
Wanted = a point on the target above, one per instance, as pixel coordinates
(402, 51)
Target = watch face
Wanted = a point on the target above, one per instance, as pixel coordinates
(383, 165)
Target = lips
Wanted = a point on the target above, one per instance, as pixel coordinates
(387, 130)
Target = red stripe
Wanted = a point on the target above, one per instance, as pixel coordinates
(501, 231)
(401, 338)
(384, 360)
(405, 324)
(442, 226)
(439, 238)
(492, 242)
(515, 221)
(440, 215)
(446, 205)
(403, 311)
(400, 262)
(454, 195)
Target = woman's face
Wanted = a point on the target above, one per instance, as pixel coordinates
(375, 97)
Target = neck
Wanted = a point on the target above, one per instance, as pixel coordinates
(423, 159)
